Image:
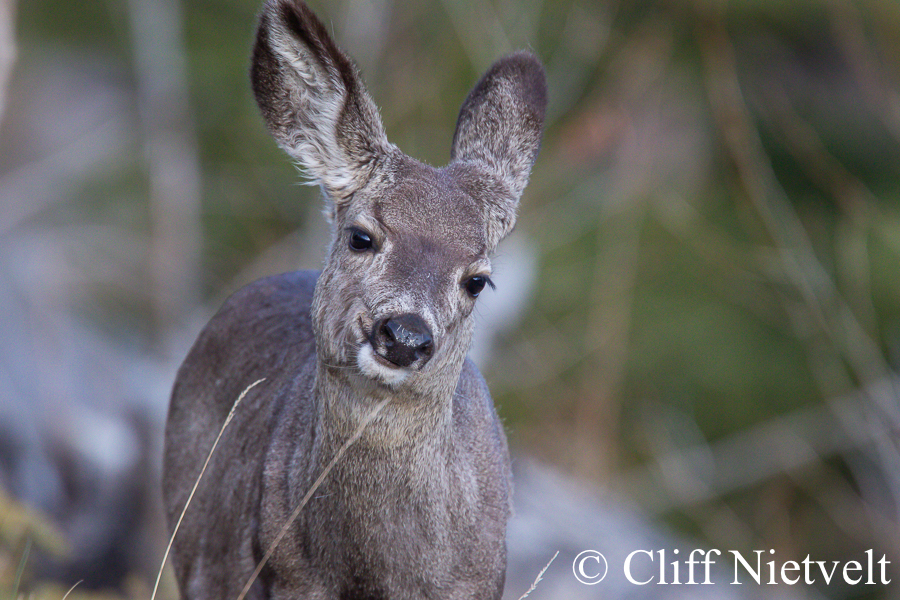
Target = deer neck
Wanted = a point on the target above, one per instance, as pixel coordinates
(382, 417)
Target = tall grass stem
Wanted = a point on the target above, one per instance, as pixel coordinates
(197, 483)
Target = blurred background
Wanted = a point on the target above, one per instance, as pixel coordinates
(696, 333)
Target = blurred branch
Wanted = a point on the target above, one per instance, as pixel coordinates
(701, 471)
(848, 29)
(807, 147)
(851, 510)
(37, 185)
(605, 345)
(479, 29)
(572, 62)
(172, 156)
(796, 255)
(365, 31)
(848, 191)
(797, 260)
(7, 48)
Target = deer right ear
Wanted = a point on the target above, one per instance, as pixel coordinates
(313, 100)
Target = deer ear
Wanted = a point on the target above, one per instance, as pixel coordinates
(499, 131)
(313, 100)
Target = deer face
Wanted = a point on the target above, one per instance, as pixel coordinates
(409, 255)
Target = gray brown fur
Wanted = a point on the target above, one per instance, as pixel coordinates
(417, 507)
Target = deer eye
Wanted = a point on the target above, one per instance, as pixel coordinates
(475, 284)
(360, 241)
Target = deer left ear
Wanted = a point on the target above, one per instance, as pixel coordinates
(499, 131)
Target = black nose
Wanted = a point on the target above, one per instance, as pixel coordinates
(403, 339)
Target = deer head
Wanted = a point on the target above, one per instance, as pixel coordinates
(411, 243)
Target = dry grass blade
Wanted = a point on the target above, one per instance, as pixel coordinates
(340, 453)
(71, 589)
(197, 482)
(539, 577)
(21, 568)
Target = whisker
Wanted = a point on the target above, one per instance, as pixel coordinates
(331, 366)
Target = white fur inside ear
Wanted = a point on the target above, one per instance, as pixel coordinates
(371, 367)
(318, 101)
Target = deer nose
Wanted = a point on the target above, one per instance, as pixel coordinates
(404, 339)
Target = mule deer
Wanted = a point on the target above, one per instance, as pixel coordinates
(418, 504)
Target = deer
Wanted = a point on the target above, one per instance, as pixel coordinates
(417, 505)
